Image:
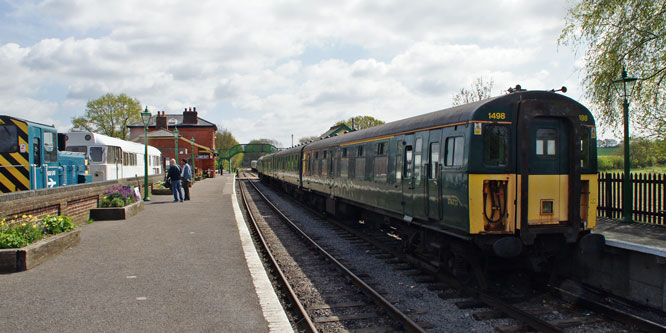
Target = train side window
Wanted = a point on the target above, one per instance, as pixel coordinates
(495, 145)
(50, 151)
(380, 148)
(344, 152)
(585, 147)
(546, 142)
(434, 160)
(359, 151)
(97, 154)
(409, 153)
(78, 149)
(417, 159)
(381, 168)
(455, 149)
(8, 139)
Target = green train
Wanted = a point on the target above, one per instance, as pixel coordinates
(514, 176)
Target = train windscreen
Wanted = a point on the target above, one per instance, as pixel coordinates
(8, 139)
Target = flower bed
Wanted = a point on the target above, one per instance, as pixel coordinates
(119, 203)
(160, 188)
(24, 242)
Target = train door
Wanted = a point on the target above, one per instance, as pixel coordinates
(413, 187)
(50, 157)
(36, 161)
(548, 175)
(408, 176)
(433, 181)
(549, 194)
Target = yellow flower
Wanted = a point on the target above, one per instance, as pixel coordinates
(24, 216)
(30, 216)
(34, 226)
(23, 224)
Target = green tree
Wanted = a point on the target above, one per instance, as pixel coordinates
(617, 33)
(110, 115)
(479, 90)
(361, 122)
(309, 138)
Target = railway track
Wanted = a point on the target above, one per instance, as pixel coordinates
(544, 312)
(318, 284)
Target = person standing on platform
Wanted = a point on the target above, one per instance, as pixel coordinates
(174, 175)
(187, 178)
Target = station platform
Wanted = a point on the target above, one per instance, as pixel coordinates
(175, 266)
(639, 237)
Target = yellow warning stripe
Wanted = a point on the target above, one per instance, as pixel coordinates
(14, 171)
(19, 158)
(8, 184)
(21, 125)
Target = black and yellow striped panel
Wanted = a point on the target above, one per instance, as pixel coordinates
(15, 166)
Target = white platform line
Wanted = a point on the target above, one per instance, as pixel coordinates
(636, 247)
(270, 305)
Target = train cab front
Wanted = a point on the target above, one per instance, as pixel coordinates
(544, 199)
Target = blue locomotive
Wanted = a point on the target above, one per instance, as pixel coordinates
(33, 156)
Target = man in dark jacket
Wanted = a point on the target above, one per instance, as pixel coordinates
(174, 175)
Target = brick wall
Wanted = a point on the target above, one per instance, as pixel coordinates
(74, 201)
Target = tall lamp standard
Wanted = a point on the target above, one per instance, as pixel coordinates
(175, 139)
(145, 117)
(192, 156)
(624, 87)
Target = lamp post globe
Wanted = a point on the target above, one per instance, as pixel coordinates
(145, 118)
(624, 87)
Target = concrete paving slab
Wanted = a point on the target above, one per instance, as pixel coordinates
(173, 267)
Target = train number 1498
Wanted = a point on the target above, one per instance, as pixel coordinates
(497, 115)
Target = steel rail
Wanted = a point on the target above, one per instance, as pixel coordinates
(642, 323)
(283, 278)
(407, 322)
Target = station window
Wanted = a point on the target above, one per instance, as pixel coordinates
(495, 145)
(455, 149)
(8, 139)
(546, 142)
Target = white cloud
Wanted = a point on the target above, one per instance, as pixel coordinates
(384, 59)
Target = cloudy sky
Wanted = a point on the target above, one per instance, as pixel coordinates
(270, 69)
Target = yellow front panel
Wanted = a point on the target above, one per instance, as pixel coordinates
(547, 188)
(593, 190)
(477, 220)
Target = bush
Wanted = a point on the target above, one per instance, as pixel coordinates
(606, 163)
(119, 196)
(25, 230)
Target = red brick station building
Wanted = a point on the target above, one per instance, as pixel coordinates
(194, 133)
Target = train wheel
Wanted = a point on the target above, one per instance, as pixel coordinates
(467, 270)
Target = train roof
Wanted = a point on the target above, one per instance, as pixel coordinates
(78, 138)
(29, 122)
(461, 114)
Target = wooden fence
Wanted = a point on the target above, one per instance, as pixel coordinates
(649, 201)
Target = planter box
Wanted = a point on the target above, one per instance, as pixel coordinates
(161, 191)
(17, 260)
(116, 213)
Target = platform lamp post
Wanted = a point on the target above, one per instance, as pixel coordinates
(145, 117)
(624, 87)
(175, 139)
(192, 156)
